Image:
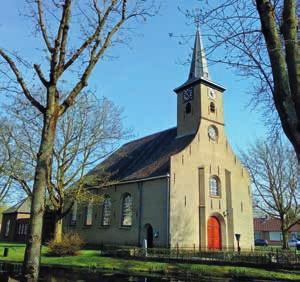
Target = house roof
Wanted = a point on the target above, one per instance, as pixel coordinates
(271, 225)
(143, 158)
(21, 207)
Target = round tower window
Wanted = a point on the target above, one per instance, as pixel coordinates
(213, 132)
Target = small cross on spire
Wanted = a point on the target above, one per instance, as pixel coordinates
(197, 21)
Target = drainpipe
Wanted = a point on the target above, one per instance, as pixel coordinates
(168, 210)
(140, 188)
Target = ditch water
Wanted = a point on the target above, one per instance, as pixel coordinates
(11, 273)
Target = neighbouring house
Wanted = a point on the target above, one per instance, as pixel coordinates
(15, 222)
(269, 229)
(180, 187)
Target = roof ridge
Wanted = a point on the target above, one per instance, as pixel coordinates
(150, 135)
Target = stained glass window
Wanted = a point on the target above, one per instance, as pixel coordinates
(7, 228)
(106, 211)
(127, 210)
(74, 214)
(214, 186)
(89, 214)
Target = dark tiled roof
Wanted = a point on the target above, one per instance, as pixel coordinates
(271, 225)
(143, 158)
(21, 207)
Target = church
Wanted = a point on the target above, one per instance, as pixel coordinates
(183, 186)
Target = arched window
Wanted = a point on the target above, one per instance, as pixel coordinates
(126, 210)
(89, 214)
(214, 186)
(20, 229)
(74, 214)
(25, 228)
(7, 228)
(106, 211)
(188, 108)
(212, 107)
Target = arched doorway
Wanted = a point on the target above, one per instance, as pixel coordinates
(214, 234)
(149, 235)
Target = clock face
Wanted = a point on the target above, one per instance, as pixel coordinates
(187, 94)
(211, 94)
(212, 132)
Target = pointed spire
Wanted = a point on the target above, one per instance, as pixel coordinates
(199, 66)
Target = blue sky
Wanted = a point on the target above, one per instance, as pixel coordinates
(142, 77)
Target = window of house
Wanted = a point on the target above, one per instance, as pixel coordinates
(89, 214)
(106, 211)
(22, 228)
(19, 229)
(188, 108)
(258, 235)
(7, 228)
(212, 107)
(74, 214)
(25, 228)
(126, 210)
(275, 236)
(293, 235)
(214, 186)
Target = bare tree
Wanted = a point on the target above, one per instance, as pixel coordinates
(87, 133)
(19, 155)
(5, 181)
(273, 171)
(260, 40)
(76, 35)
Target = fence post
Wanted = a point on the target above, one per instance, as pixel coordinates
(177, 250)
(277, 256)
(194, 249)
(5, 252)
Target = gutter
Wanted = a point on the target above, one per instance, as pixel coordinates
(130, 181)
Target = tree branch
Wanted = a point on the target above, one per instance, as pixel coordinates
(43, 26)
(21, 82)
(41, 75)
(63, 32)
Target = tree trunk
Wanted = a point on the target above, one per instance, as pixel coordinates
(33, 247)
(284, 239)
(58, 229)
(285, 74)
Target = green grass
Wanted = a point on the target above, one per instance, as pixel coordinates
(92, 259)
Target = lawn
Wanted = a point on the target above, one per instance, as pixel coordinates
(92, 259)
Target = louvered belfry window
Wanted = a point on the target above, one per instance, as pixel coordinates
(106, 211)
(127, 210)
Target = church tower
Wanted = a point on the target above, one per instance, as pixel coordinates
(199, 97)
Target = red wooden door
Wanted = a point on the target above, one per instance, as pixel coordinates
(214, 233)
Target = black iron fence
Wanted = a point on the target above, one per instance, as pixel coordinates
(257, 257)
